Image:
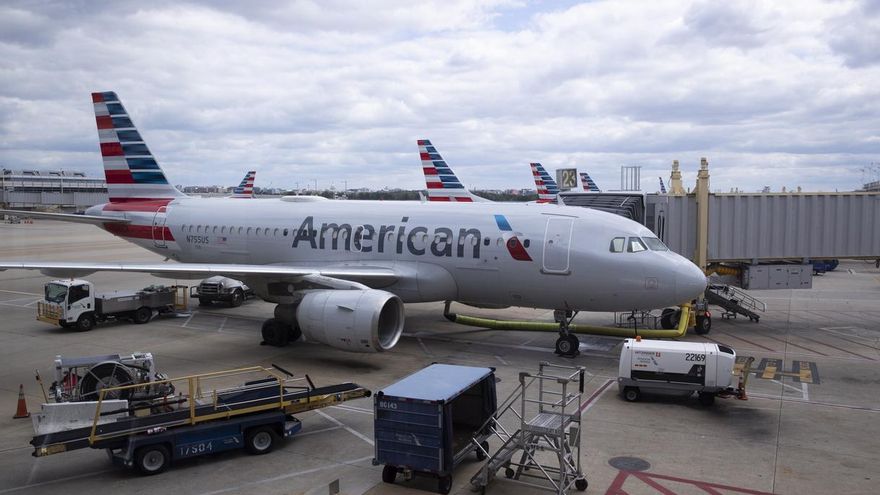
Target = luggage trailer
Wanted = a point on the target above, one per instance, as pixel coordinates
(149, 434)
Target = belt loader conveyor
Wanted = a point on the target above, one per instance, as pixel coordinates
(275, 393)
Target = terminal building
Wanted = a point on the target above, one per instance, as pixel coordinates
(50, 189)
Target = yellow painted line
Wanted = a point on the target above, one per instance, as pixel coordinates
(770, 370)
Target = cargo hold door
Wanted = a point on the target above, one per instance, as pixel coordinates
(557, 244)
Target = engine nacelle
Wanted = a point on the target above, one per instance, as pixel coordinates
(352, 320)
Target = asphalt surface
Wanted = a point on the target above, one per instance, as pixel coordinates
(809, 426)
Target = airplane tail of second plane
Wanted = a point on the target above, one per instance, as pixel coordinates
(443, 184)
(546, 186)
(132, 173)
(246, 188)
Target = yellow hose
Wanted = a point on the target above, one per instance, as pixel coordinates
(722, 270)
(540, 326)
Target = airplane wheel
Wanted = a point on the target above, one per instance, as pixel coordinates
(275, 333)
(567, 345)
(444, 484)
(669, 318)
(581, 484)
(702, 325)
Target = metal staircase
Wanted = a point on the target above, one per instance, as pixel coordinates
(549, 441)
(735, 301)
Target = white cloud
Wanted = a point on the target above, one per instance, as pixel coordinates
(340, 91)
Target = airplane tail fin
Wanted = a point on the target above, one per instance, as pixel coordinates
(588, 183)
(131, 171)
(443, 184)
(546, 186)
(246, 188)
(662, 186)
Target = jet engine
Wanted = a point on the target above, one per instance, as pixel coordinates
(352, 320)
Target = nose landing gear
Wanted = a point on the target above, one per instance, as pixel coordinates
(567, 345)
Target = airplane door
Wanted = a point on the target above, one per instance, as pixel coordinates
(557, 243)
(159, 227)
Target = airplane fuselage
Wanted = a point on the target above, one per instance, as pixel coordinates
(545, 256)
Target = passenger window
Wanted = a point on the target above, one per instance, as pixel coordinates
(636, 245)
(239, 230)
(276, 232)
(223, 229)
(249, 230)
(617, 244)
(526, 243)
(285, 232)
(199, 229)
(214, 230)
(257, 232)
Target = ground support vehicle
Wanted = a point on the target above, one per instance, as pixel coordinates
(707, 369)
(430, 421)
(224, 289)
(73, 303)
(149, 435)
(78, 379)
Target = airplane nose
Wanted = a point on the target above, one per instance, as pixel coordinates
(690, 282)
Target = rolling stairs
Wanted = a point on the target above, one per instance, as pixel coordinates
(735, 302)
(546, 448)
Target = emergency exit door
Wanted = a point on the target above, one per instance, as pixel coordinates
(557, 245)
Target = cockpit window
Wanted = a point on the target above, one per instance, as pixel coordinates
(635, 245)
(617, 244)
(655, 244)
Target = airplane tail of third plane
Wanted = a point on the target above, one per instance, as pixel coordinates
(132, 173)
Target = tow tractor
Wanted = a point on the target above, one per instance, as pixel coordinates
(162, 427)
(73, 303)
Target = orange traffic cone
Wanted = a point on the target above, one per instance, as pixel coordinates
(22, 411)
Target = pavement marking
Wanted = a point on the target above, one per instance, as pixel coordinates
(286, 476)
(796, 345)
(594, 397)
(19, 292)
(423, 346)
(505, 363)
(187, 320)
(50, 482)
(805, 391)
(352, 408)
(348, 429)
(813, 402)
(222, 324)
(748, 341)
(322, 430)
(835, 347)
(792, 387)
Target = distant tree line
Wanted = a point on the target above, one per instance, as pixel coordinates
(400, 195)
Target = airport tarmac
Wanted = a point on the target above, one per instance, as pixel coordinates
(809, 426)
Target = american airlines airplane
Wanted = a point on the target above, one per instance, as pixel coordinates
(246, 188)
(588, 183)
(546, 186)
(341, 271)
(443, 185)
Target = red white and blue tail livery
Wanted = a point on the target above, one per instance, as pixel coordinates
(588, 183)
(246, 188)
(443, 184)
(546, 186)
(133, 175)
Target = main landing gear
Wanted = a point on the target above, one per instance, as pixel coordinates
(282, 329)
(567, 345)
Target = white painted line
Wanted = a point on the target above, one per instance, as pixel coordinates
(805, 391)
(505, 363)
(59, 480)
(786, 385)
(187, 320)
(19, 292)
(424, 347)
(322, 430)
(355, 409)
(350, 430)
(286, 476)
(35, 301)
(593, 400)
(222, 324)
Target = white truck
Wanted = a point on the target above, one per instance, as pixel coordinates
(707, 369)
(74, 304)
(231, 291)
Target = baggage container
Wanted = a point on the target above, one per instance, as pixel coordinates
(430, 421)
(705, 368)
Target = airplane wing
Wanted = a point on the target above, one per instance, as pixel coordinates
(328, 276)
(65, 217)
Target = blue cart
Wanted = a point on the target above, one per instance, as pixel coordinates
(430, 421)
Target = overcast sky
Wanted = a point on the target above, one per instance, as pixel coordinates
(772, 93)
